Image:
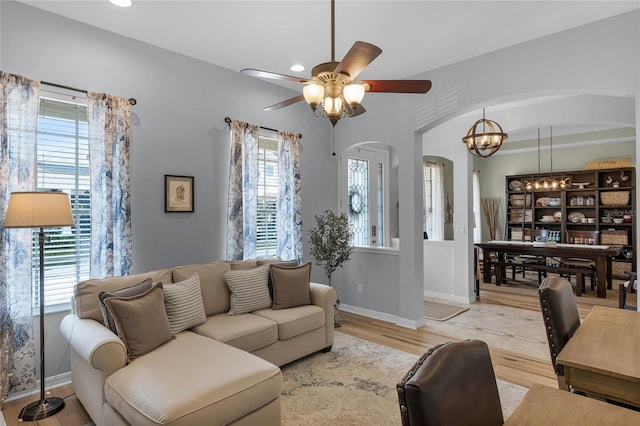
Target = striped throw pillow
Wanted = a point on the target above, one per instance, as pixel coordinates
(183, 303)
(249, 291)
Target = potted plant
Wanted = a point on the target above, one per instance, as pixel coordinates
(331, 245)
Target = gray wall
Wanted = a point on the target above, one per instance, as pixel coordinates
(178, 128)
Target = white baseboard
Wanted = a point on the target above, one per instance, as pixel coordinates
(49, 383)
(449, 297)
(382, 316)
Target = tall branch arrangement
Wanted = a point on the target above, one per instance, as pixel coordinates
(491, 210)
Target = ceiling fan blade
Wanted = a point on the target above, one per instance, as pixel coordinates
(397, 86)
(285, 103)
(357, 58)
(272, 75)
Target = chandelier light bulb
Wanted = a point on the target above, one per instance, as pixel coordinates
(313, 94)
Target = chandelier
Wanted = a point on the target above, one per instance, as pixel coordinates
(548, 182)
(488, 141)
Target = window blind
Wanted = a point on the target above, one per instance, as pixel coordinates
(268, 189)
(62, 164)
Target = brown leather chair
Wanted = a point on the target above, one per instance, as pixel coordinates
(451, 384)
(561, 319)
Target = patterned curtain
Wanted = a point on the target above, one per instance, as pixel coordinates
(289, 204)
(18, 133)
(243, 195)
(109, 135)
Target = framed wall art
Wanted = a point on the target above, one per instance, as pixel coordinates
(178, 194)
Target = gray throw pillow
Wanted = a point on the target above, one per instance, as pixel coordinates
(291, 286)
(249, 291)
(123, 292)
(141, 321)
(183, 303)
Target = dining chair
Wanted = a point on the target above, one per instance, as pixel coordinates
(522, 260)
(587, 238)
(627, 288)
(451, 384)
(561, 319)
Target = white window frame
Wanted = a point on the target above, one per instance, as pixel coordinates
(375, 156)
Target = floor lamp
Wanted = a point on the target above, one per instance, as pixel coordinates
(39, 210)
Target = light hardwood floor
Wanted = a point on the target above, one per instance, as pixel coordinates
(512, 362)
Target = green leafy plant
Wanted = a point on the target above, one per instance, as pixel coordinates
(331, 241)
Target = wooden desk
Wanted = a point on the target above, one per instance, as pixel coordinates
(601, 255)
(543, 405)
(603, 356)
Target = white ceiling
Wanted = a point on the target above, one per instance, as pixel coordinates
(415, 36)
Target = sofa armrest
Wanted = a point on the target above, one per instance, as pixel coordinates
(325, 297)
(94, 343)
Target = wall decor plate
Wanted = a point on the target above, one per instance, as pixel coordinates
(576, 217)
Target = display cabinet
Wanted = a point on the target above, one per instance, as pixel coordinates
(601, 201)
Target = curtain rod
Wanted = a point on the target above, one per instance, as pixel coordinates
(228, 121)
(132, 101)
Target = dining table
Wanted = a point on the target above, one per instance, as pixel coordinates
(601, 255)
(543, 405)
(602, 358)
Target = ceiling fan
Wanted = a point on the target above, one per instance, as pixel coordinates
(332, 91)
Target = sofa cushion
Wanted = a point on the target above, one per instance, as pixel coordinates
(294, 321)
(215, 293)
(290, 285)
(247, 331)
(134, 290)
(199, 387)
(183, 303)
(249, 290)
(141, 321)
(85, 293)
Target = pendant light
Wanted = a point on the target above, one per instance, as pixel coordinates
(488, 141)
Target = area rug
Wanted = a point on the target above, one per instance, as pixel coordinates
(441, 311)
(354, 384)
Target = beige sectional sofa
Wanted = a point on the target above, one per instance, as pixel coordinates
(222, 371)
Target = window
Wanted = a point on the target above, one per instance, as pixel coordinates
(62, 164)
(433, 200)
(364, 182)
(268, 189)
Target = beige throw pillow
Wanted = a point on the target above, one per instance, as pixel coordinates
(141, 321)
(249, 291)
(183, 303)
(291, 286)
(123, 292)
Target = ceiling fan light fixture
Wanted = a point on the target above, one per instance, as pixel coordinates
(486, 142)
(313, 94)
(353, 94)
(333, 106)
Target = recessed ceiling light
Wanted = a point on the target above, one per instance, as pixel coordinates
(121, 3)
(297, 68)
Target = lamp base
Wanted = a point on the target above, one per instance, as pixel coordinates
(41, 409)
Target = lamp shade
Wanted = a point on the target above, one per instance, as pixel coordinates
(38, 210)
